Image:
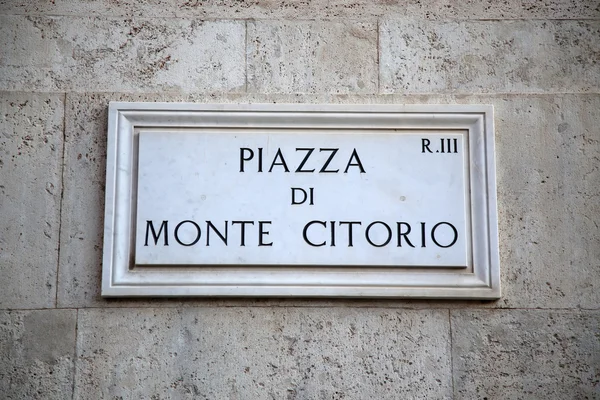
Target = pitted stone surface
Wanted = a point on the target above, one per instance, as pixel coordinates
(31, 146)
(468, 9)
(547, 160)
(526, 354)
(37, 349)
(490, 56)
(80, 263)
(254, 353)
(310, 57)
(300, 9)
(132, 55)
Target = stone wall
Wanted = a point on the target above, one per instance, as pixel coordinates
(536, 61)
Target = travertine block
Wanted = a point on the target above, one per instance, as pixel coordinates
(263, 353)
(302, 9)
(94, 54)
(312, 57)
(31, 147)
(547, 157)
(467, 9)
(37, 349)
(525, 354)
(489, 56)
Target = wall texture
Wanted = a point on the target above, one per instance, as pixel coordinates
(536, 61)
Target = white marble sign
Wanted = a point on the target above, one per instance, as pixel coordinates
(256, 197)
(300, 200)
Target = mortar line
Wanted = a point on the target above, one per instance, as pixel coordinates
(167, 306)
(75, 357)
(62, 193)
(449, 94)
(451, 353)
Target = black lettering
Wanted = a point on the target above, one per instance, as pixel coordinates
(309, 152)
(306, 229)
(294, 202)
(425, 145)
(453, 229)
(350, 224)
(155, 235)
(324, 169)
(357, 164)
(209, 225)
(198, 233)
(260, 151)
(403, 234)
(242, 158)
(332, 226)
(262, 232)
(242, 230)
(423, 234)
(369, 229)
(282, 163)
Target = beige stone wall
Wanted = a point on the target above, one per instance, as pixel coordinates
(536, 61)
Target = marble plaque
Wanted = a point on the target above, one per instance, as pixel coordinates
(300, 200)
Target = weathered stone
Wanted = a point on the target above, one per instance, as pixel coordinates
(302, 9)
(37, 349)
(490, 56)
(309, 57)
(469, 9)
(525, 354)
(140, 55)
(263, 353)
(548, 166)
(31, 146)
(80, 263)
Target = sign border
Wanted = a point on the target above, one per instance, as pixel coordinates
(121, 279)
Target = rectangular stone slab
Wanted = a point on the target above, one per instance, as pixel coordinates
(531, 354)
(287, 217)
(37, 349)
(31, 149)
(263, 353)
